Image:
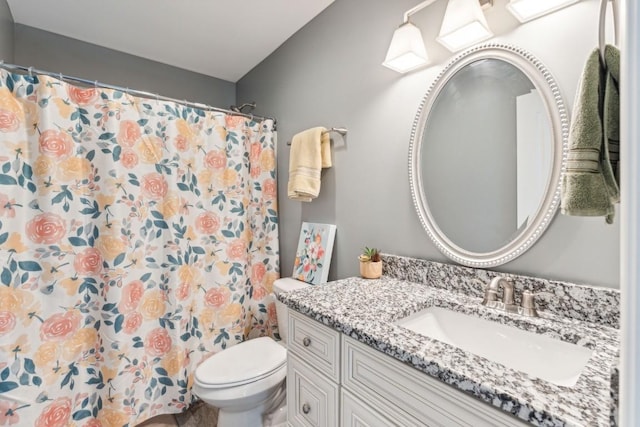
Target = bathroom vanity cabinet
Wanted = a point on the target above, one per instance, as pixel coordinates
(335, 380)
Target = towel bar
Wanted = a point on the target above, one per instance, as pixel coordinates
(603, 18)
(341, 131)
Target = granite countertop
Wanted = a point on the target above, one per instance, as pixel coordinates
(367, 309)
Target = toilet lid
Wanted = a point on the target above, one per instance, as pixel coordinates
(241, 364)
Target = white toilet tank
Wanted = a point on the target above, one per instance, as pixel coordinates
(283, 285)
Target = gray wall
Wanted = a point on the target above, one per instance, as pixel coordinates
(52, 52)
(6, 32)
(330, 74)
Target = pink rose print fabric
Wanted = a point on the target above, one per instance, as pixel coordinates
(137, 238)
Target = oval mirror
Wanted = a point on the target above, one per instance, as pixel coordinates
(487, 150)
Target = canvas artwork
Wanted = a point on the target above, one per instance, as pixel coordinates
(313, 256)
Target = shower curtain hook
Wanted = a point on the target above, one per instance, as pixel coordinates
(95, 84)
(60, 76)
(31, 71)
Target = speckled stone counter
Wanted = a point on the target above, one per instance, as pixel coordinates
(367, 309)
(581, 302)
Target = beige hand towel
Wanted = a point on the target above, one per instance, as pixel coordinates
(310, 152)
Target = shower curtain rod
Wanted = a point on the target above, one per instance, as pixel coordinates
(95, 83)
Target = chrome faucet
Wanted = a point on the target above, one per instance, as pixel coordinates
(508, 302)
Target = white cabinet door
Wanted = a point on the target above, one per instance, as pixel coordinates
(312, 400)
(355, 413)
(410, 397)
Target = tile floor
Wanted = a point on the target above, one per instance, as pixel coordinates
(160, 421)
(199, 415)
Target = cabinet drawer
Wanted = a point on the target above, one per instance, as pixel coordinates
(355, 413)
(316, 344)
(410, 397)
(312, 400)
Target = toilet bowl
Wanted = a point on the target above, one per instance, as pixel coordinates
(246, 382)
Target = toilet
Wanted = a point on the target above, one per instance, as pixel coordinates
(246, 382)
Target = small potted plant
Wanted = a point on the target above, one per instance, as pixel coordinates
(370, 263)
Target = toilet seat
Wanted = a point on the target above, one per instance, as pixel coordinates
(241, 364)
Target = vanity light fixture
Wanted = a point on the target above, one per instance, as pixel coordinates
(526, 10)
(406, 51)
(464, 24)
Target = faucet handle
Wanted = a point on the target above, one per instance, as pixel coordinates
(489, 296)
(529, 304)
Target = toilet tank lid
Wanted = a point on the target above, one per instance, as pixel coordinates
(288, 284)
(243, 363)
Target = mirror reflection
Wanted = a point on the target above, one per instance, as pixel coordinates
(487, 152)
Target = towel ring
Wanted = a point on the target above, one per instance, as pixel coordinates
(602, 25)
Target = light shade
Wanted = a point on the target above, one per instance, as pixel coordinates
(463, 25)
(526, 10)
(406, 51)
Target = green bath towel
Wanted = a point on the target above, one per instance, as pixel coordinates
(589, 186)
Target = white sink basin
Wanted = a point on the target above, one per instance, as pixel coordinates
(539, 356)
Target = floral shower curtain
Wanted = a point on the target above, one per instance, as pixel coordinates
(137, 237)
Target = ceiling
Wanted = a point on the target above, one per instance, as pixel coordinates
(219, 38)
